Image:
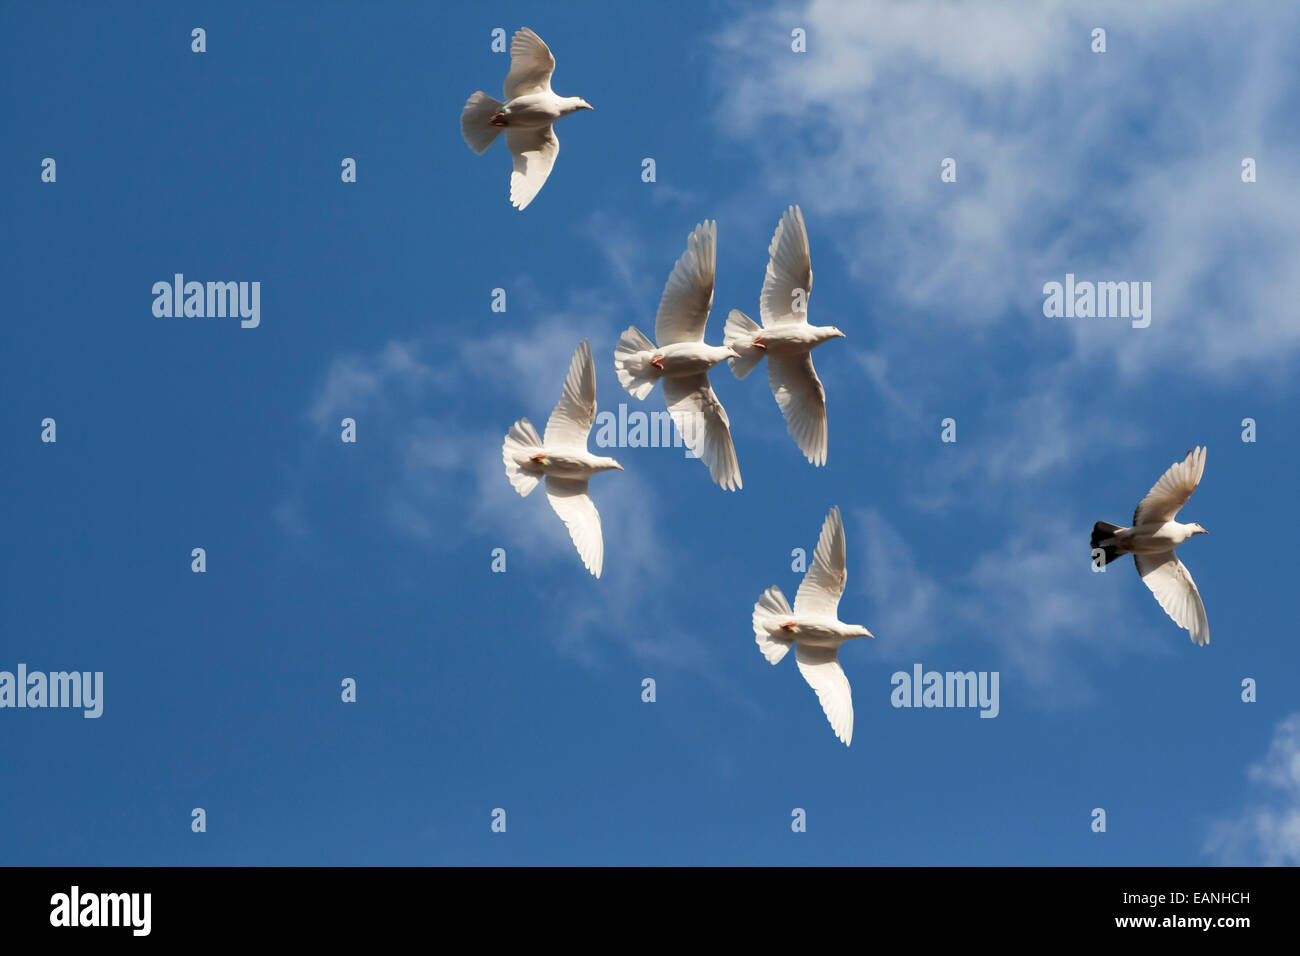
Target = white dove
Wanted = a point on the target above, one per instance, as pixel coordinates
(814, 627)
(786, 338)
(562, 459)
(531, 107)
(1152, 540)
(682, 359)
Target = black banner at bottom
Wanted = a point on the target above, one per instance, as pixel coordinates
(338, 904)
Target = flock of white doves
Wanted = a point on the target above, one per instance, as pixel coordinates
(681, 360)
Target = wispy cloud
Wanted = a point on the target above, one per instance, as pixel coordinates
(1068, 161)
(1034, 596)
(1267, 830)
(903, 607)
(1030, 451)
(1027, 597)
(434, 475)
(875, 365)
(359, 383)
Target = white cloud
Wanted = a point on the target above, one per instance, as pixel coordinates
(356, 383)
(434, 474)
(532, 362)
(902, 601)
(1034, 595)
(1033, 439)
(1122, 165)
(1267, 830)
(875, 365)
(1025, 594)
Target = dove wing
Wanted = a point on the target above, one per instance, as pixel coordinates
(1173, 587)
(574, 413)
(569, 498)
(802, 399)
(822, 586)
(702, 422)
(533, 151)
(688, 294)
(820, 667)
(1171, 492)
(789, 269)
(531, 65)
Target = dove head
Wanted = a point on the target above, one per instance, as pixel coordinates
(1197, 529)
(859, 631)
(828, 332)
(577, 103)
(608, 464)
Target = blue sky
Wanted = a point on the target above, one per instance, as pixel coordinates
(522, 690)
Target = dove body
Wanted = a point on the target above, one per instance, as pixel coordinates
(813, 630)
(564, 464)
(538, 109)
(1155, 538)
(791, 339)
(682, 359)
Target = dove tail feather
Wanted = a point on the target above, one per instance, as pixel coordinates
(1105, 531)
(474, 125)
(770, 612)
(632, 362)
(522, 439)
(738, 335)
